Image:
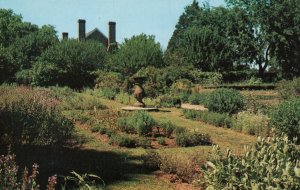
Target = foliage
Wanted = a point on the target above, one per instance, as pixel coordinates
(286, 118)
(122, 141)
(225, 101)
(69, 60)
(82, 102)
(252, 123)
(135, 53)
(181, 86)
(30, 116)
(142, 122)
(199, 98)
(216, 119)
(169, 101)
(274, 38)
(143, 142)
(206, 78)
(9, 176)
(161, 140)
(168, 127)
(124, 125)
(107, 92)
(289, 89)
(23, 52)
(83, 181)
(272, 164)
(110, 80)
(194, 138)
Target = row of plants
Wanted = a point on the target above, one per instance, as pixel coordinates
(140, 129)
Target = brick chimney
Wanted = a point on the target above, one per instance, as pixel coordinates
(111, 33)
(65, 35)
(81, 29)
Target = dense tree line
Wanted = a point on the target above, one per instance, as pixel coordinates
(247, 35)
(247, 32)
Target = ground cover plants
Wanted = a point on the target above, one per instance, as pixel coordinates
(272, 163)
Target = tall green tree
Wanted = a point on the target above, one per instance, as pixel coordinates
(69, 63)
(275, 36)
(136, 53)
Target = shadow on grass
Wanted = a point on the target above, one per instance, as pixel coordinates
(110, 166)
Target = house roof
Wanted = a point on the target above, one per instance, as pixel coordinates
(93, 31)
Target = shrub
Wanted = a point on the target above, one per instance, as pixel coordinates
(98, 129)
(30, 116)
(111, 80)
(168, 128)
(142, 122)
(289, 89)
(169, 101)
(271, 164)
(194, 138)
(82, 102)
(206, 78)
(143, 142)
(161, 140)
(253, 124)
(184, 165)
(199, 98)
(124, 126)
(110, 132)
(217, 119)
(225, 101)
(181, 86)
(107, 93)
(69, 60)
(9, 176)
(124, 98)
(184, 97)
(122, 141)
(286, 118)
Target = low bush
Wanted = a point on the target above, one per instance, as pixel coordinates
(30, 116)
(169, 101)
(272, 164)
(124, 125)
(161, 140)
(181, 86)
(142, 122)
(168, 127)
(194, 138)
(122, 141)
(289, 89)
(9, 175)
(206, 78)
(286, 118)
(111, 80)
(143, 142)
(225, 101)
(217, 119)
(125, 98)
(185, 166)
(82, 102)
(252, 123)
(107, 93)
(199, 98)
(98, 129)
(184, 97)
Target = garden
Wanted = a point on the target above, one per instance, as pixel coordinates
(224, 119)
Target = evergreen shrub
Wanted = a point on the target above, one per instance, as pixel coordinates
(225, 101)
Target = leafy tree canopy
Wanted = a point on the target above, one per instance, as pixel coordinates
(137, 52)
(69, 63)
